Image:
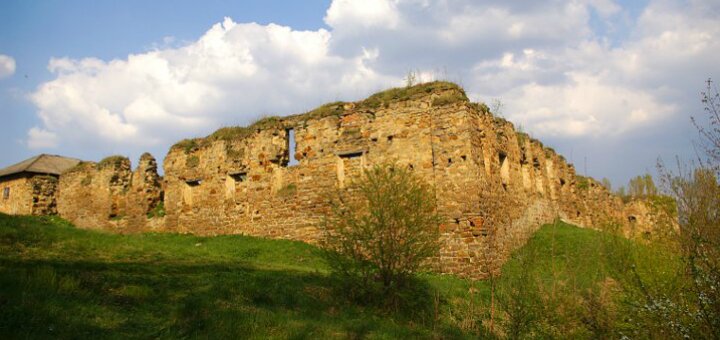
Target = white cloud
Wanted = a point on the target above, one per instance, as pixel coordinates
(7, 66)
(363, 14)
(231, 75)
(557, 74)
(41, 139)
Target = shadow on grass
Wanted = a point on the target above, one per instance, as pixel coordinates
(68, 299)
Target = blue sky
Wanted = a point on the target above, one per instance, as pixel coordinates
(611, 85)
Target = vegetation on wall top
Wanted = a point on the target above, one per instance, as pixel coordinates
(408, 93)
(112, 161)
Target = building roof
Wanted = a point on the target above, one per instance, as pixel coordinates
(41, 164)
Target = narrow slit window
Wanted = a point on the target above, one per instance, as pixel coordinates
(6, 193)
(353, 154)
(291, 146)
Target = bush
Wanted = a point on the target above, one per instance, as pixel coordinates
(379, 232)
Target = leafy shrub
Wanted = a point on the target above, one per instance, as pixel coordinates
(379, 232)
(157, 211)
(582, 182)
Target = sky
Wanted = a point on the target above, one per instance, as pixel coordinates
(609, 84)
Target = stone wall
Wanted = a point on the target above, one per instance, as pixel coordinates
(29, 194)
(19, 198)
(108, 195)
(494, 186)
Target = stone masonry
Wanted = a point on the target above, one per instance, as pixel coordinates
(494, 185)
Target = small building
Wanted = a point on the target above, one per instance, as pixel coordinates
(29, 187)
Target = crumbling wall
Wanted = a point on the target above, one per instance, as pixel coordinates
(108, 195)
(43, 189)
(28, 194)
(494, 186)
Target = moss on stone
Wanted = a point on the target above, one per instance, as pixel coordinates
(330, 109)
(287, 191)
(157, 211)
(582, 182)
(192, 161)
(187, 145)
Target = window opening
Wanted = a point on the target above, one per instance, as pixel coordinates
(193, 182)
(291, 146)
(6, 193)
(504, 169)
(239, 176)
(353, 154)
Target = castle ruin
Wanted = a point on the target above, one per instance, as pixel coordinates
(494, 185)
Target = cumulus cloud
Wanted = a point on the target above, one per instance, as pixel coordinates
(557, 73)
(7, 66)
(231, 75)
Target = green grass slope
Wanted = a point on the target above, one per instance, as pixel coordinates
(62, 282)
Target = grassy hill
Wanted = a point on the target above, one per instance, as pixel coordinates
(59, 281)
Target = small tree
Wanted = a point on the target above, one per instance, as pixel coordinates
(380, 230)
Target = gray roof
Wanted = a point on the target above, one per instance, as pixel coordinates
(41, 164)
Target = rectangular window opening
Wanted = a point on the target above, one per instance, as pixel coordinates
(6, 193)
(291, 146)
(239, 176)
(193, 182)
(352, 154)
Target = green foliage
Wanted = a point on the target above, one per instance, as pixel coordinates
(157, 211)
(582, 182)
(230, 133)
(642, 186)
(481, 107)
(330, 109)
(384, 98)
(566, 282)
(112, 161)
(664, 203)
(549, 152)
(522, 137)
(187, 145)
(379, 232)
(192, 161)
(61, 282)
